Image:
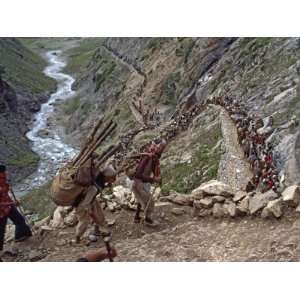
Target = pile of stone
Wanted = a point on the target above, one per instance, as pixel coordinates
(121, 197)
(220, 200)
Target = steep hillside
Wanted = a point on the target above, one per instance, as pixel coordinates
(172, 75)
(261, 73)
(23, 87)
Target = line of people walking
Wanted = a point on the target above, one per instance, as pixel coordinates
(252, 136)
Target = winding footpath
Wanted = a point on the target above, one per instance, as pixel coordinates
(53, 152)
(233, 168)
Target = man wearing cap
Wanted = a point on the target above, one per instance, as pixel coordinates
(88, 208)
(147, 173)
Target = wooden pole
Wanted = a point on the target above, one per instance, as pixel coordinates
(94, 142)
(108, 130)
(107, 155)
(89, 141)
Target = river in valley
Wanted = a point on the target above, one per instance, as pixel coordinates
(46, 142)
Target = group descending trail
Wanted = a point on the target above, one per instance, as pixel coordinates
(233, 168)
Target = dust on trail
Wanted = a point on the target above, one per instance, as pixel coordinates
(233, 168)
(183, 238)
(209, 239)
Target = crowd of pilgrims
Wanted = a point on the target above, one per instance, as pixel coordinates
(252, 136)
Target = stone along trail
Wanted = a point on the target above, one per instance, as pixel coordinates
(46, 142)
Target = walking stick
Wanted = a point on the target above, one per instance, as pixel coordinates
(19, 206)
(152, 196)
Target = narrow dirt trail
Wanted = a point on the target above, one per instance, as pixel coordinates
(209, 239)
(121, 60)
(233, 168)
(183, 238)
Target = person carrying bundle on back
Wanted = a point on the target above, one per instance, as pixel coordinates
(88, 209)
(79, 181)
(147, 173)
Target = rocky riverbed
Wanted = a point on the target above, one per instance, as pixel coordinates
(44, 135)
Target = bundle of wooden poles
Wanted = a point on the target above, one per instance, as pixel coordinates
(97, 136)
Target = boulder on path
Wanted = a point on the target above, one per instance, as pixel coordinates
(260, 200)
(291, 195)
(243, 206)
(197, 206)
(214, 188)
(273, 208)
(198, 194)
(230, 209)
(239, 195)
(218, 210)
(205, 212)
(178, 211)
(71, 219)
(122, 194)
(206, 202)
(177, 198)
(58, 217)
(219, 199)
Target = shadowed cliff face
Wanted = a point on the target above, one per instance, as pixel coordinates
(8, 98)
(14, 149)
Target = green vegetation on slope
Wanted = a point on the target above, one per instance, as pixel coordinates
(38, 201)
(81, 55)
(183, 177)
(24, 68)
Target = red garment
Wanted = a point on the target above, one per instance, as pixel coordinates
(147, 165)
(270, 184)
(5, 201)
(269, 158)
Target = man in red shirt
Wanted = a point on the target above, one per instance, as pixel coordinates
(147, 173)
(8, 210)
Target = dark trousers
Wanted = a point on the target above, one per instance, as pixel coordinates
(22, 229)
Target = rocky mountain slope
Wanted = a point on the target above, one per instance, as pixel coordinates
(168, 73)
(261, 73)
(23, 87)
(171, 74)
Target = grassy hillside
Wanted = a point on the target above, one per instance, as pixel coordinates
(23, 68)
